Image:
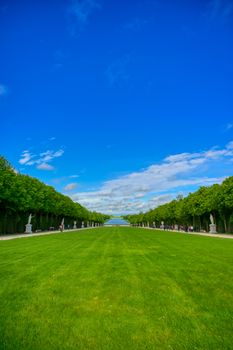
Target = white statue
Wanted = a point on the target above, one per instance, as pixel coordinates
(162, 225)
(29, 225)
(212, 225)
(30, 219)
(211, 219)
(61, 227)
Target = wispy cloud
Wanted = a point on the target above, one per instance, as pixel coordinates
(230, 145)
(45, 166)
(41, 160)
(80, 12)
(229, 126)
(70, 187)
(3, 90)
(63, 179)
(117, 72)
(220, 9)
(25, 157)
(159, 183)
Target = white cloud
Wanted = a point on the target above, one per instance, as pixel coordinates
(230, 145)
(70, 186)
(45, 166)
(73, 176)
(58, 153)
(3, 90)
(159, 183)
(25, 157)
(41, 161)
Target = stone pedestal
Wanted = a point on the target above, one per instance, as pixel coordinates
(75, 226)
(212, 228)
(82, 224)
(28, 228)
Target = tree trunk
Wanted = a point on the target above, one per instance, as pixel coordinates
(225, 223)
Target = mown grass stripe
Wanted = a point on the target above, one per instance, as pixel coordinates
(116, 288)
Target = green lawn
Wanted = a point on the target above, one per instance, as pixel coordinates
(116, 288)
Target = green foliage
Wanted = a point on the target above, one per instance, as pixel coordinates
(21, 195)
(194, 210)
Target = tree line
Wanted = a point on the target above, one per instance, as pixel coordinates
(194, 210)
(21, 195)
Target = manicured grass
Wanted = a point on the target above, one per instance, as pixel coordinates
(116, 288)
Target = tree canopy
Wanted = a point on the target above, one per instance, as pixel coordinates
(194, 210)
(21, 195)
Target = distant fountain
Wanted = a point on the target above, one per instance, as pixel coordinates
(116, 221)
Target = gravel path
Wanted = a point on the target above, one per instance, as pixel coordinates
(213, 235)
(26, 235)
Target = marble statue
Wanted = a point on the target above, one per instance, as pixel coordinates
(61, 227)
(212, 225)
(29, 225)
(30, 219)
(211, 219)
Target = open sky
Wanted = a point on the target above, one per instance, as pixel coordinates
(120, 104)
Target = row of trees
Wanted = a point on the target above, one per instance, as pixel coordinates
(21, 195)
(194, 210)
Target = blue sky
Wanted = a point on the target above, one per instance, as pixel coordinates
(119, 104)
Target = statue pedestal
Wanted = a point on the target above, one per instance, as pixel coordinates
(212, 228)
(75, 226)
(28, 228)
